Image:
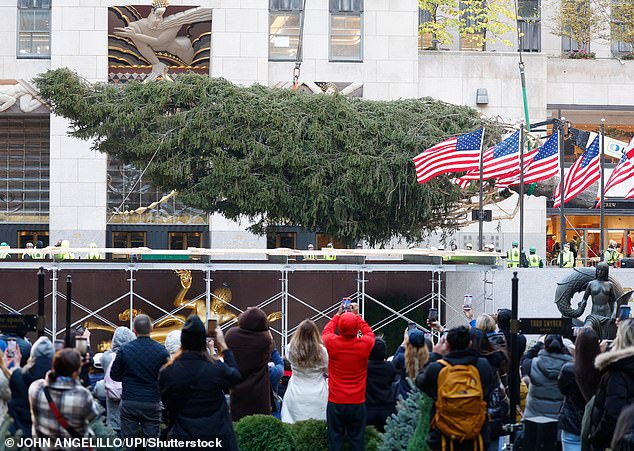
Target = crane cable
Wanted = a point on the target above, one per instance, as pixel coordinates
(300, 48)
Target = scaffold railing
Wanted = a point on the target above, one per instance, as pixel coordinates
(279, 262)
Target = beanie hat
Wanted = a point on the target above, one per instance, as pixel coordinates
(416, 338)
(193, 337)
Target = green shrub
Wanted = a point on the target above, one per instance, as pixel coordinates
(5, 434)
(312, 435)
(372, 440)
(102, 429)
(418, 442)
(400, 426)
(264, 433)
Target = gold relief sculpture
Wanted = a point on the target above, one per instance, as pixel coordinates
(144, 43)
(220, 300)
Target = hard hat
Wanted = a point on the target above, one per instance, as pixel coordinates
(469, 246)
(612, 243)
(441, 247)
(532, 250)
(329, 245)
(567, 245)
(310, 246)
(515, 243)
(4, 243)
(489, 246)
(29, 245)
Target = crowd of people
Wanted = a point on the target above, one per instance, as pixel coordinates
(198, 384)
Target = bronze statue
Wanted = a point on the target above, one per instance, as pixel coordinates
(220, 301)
(607, 294)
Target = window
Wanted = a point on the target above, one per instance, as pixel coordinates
(184, 240)
(32, 236)
(128, 240)
(346, 30)
(323, 239)
(471, 40)
(621, 12)
(568, 44)
(24, 168)
(529, 24)
(34, 28)
(133, 200)
(285, 17)
(425, 40)
(281, 239)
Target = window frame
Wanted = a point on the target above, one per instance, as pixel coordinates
(334, 59)
(185, 238)
(275, 9)
(618, 48)
(466, 39)
(19, 32)
(425, 40)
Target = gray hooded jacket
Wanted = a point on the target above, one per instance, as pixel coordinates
(544, 397)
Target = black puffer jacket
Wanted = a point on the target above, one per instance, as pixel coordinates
(381, 387)
(616, 390)
(571, 413)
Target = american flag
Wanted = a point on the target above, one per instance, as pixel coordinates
(627, 171)
(457, 154)
(499, 160)
(543, 165)
(623, 170)
(583, 173)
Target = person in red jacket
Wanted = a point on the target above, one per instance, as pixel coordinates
(348, 355)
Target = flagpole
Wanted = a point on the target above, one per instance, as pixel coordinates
(480, 204)
(522, 139)
(602, 199)
(562, 217)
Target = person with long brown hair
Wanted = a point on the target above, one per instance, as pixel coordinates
(192, 387)
(410, 358)
(307, 394)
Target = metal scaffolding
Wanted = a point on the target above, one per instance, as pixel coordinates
(285, 297)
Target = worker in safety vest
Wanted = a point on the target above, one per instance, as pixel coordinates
(28, 252)
(38, 252)
(311, 248)
(567, 257)
(4, 254)
(64, 255)
(611, 256)
(513, 256)
(328, 256)
(534, 260)
(94, 255)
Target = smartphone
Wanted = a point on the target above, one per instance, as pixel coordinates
(12, 345)
(433, 315)
(212, 323)
(624, 311)
(467, 302)
(346, 303)
(81, 345)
